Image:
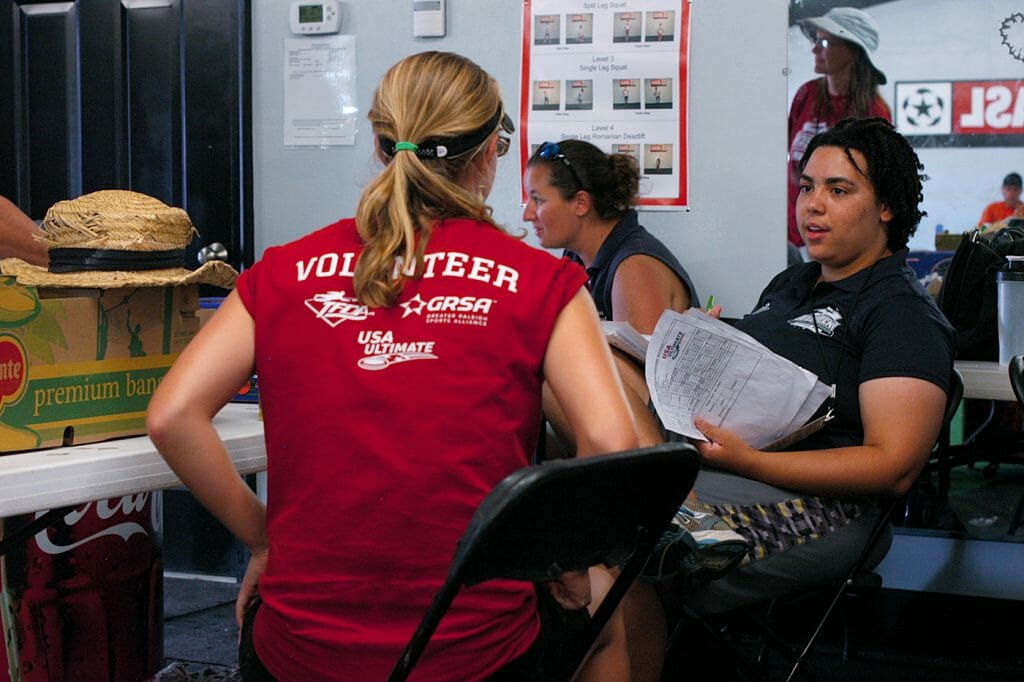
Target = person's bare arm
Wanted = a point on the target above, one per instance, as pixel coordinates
(18, 235)
(578, 368)
(205, 376)
(901, 417)
(643, 289)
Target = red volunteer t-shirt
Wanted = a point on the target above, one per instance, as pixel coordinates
(385, 428)
(804, 123)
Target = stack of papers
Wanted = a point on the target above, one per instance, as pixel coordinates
(698, 366)
(623, 336)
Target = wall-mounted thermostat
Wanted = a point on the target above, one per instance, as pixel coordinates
(307, 17)
(428, 18)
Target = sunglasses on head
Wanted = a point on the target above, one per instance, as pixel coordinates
(504, 142)
(550, 151)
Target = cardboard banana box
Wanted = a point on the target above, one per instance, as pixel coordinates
(79, 365)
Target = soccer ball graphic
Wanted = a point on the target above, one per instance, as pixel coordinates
(923, 108)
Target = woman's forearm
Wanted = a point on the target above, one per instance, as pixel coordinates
(18, 235)
(195, 452)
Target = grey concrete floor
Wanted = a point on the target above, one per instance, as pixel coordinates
(200, 635)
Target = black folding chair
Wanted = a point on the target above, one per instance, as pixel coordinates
(859, 580)
(859, 574)
(566, 515)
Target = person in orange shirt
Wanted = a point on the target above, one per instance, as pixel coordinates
(1001, 210)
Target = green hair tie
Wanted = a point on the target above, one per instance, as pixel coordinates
(406, 147)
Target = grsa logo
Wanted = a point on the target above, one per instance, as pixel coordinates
(439, 304)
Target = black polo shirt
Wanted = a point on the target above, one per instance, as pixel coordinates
(877, 323)
(627, 238)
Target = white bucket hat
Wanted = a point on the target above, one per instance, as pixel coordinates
(851, 25)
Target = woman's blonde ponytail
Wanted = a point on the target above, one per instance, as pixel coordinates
(422, 102)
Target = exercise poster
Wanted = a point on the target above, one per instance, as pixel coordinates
(613, 74)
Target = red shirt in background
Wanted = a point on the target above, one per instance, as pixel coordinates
(804, 123)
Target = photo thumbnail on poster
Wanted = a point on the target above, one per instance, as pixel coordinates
(660, 26)
(625, 93)
(626, 27)
(657, 159)
(546, 95)
(547, 29)
(579, 95)
(629, 150)
(658, 93)
(579, 29)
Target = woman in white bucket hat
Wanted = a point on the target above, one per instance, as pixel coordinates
(844, 42)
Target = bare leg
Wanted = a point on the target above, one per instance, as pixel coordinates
(608, 660)
(634, 641)
(638, 396)
(646, 632)
(635, 384)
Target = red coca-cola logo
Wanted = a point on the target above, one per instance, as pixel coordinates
(13, 370)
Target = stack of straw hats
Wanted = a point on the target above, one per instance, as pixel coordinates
(117, 238)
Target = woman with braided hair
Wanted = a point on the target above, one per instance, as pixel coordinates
(401, 355)
(857, 317)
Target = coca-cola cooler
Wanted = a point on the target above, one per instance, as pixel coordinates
(83, 598)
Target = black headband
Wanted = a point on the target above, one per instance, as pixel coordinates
(444, 148)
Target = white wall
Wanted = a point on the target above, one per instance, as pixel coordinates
(731, 240)
(941, 40)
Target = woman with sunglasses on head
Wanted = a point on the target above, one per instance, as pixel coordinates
(580, 199)
(843, 41)
(400, 355)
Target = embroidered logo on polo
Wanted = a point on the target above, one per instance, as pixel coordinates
(380, 350)
(471, 310)
(335, 307)
(826, 321)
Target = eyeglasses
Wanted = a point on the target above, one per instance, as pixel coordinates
(823, 43)
(551, 151)
(505, 143)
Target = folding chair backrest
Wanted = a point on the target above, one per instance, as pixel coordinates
(1016, 370)
(953, 397)
(565, 515)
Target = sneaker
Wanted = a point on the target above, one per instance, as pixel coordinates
(671, 554)
(698, 546)
(719, 548)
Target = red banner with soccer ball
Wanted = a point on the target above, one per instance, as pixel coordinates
(961, 113)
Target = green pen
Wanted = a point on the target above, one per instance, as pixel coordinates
(711, 304)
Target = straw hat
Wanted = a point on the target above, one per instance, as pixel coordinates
(853, 26)
(115, 238)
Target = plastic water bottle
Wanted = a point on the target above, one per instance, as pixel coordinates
(1010, 308)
